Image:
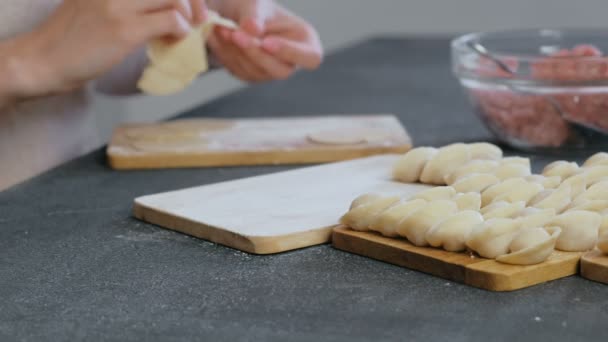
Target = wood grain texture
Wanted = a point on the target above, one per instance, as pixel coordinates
(460, 267)
(234, 142)
(594, 266)
(273, 213)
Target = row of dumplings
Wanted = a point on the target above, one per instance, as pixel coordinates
(509, 233)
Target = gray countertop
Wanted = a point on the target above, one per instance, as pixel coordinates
(75, 265)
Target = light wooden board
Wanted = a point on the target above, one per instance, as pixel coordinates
(461, 267)
(231, 142)
(273, 213)
(594, 266)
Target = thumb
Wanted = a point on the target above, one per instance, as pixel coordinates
(253, 16)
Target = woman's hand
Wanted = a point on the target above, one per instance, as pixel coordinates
(271, 44)
(83, 39)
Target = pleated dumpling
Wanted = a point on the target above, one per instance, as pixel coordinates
(364, 199)
(386, 222)
(560, 168)
(476, 182)
(493, 237)
(488, 195)
(520, 192)
(531, 246)
(579, 230)
(502, 209)
(512, 170)
(483, 150)
(600, 158)
(415, 226)
(578, 184)
(597, 191)
(362, 215)
(474, 166)
(409, 167)
(546, 182)
(557, 199)
(533, 217)
(447, 159)
(436, 193)
(595, 174)
(468, 201)
(597, 206)
(452, 232)
(516, 160)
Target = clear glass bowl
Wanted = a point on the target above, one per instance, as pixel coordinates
(538, 89)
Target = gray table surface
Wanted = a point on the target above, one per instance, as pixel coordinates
(75, 265)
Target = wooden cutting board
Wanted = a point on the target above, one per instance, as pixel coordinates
(594, 266)
(273, 213)
(231, 142)
(460, 267)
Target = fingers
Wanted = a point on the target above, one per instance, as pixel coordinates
(308, 55)
(199, 11)
(273, 67)
(166, 23)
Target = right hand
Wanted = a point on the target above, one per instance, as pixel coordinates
(86, 38)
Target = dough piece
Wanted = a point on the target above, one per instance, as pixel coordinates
(520, 192)
(507, 171)
(436, 193)
(579, 230)
(386, 222)
(409, 167)
(468, 201)
(557, 199)
(452, 232)
(534, 217)
(493, 237)
(597, 159)
(360, 217)
(503, 209)
(517, 160)
(415, 226)
(484, 150)
(364, 199)
(476, 182)
(577, 183)
(531, 246)
(598, 191)
(446, 160)
(546, 182)
(595, 174)
(560, 168)
(596, 206)
(474, 166)
(173, 66)
(602, 243)
(488, 195)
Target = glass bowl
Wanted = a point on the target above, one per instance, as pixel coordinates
(538, 89)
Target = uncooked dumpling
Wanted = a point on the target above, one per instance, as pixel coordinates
(474, 166)
(597, 191)
(534, 217)
(493, 237)
(557, 199)
(595, 174)
(579, 230)
(546, 182)
(484, 150)
(520, 192)
(451, 232)
(436, 193)
(503, 209)
(360, 217)
(386, 222)
(488, 195)
(409, 167)
(597, 159)
(507, 171)
(476, 182)
(415, 226)
(597, 206)
(560, 168)
(531, 246)
(468, 201)
(364, 199)
(578, 184)
(516, 160)
(446, 160)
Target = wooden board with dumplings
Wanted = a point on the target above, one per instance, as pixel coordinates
(488, 221)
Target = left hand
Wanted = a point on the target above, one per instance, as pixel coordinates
(271, 44)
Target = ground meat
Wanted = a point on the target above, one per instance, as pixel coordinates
(528, 119)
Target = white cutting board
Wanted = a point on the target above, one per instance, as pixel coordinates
(273, 213)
